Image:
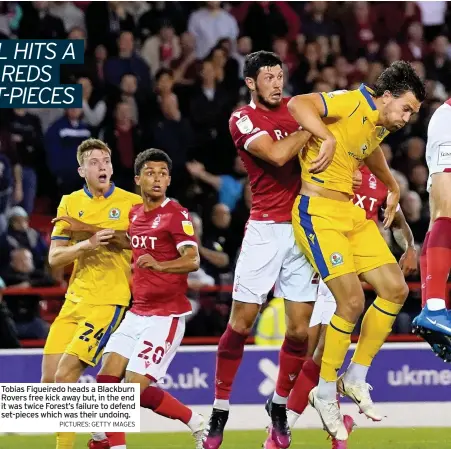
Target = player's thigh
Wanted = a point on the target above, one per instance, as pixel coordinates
(369, 247)
(60, 335)
(70, 368)
(157, 346)
(259, 262)
(49, 366)
(122, 343)
(113, 364)
(93, 332)
(320, 231)
(297, 281)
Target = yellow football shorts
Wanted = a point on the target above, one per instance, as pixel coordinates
(337, 238)
(83, 330)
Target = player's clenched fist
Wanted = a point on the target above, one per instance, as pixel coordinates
(101, 238)
(147, 261)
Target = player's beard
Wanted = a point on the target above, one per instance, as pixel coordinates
(264, 102)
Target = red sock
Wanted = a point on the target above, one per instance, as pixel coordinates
(424, 269)
(114, 438)
(164, 404)
(307, 380)
(439, 259)
(291, 358)
(228, 359)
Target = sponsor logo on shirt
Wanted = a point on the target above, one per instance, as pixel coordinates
(188, 228)
(245, 125)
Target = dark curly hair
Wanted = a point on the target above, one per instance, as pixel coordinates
(398, 79)
(151, 155)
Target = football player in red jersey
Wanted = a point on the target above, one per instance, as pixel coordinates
(267, 139)
(164, 249)
(434, 321)
(371, 196)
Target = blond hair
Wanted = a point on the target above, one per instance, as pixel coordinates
(89, 145)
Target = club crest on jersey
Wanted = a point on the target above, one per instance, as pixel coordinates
(245, 125)
(372, 182)
(114, 213)
(80, 214)
(188, 228)
(156, 222)
(336, 259)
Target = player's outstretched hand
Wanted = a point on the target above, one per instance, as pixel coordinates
(325, 156)
(147, 261)
(101, 238)
(390, 210)
(356, 180)
(409, 261)
(74, 224)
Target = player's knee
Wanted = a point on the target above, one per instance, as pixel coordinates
(64, 375)
(298, 331)
(47, 378)
(243, 317)
(352, 308)
(398, 292)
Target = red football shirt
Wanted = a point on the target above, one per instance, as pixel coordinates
(274, 189)
(160, 233)
(372, 194)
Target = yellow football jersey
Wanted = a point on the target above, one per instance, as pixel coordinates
(351, 116)
(100, 276)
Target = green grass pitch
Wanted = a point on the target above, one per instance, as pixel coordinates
(312, 439)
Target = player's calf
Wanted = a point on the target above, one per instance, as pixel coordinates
(164, 404)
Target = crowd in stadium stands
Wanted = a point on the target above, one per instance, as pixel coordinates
(168, 75)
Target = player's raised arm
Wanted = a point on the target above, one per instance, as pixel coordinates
(404, 238)
(308, 111)
(377, 163)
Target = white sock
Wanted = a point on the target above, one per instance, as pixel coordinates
(195, 422)
(292, 417)
(327, 391)
(222, 404)
(121, 446)
(436, 304)
(356, 373)
(279, 399)
(98, 436)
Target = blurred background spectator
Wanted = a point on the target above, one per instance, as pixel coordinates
(168, 75)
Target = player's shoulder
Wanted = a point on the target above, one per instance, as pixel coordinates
(174, 207)
(74, 197)
(125, 195)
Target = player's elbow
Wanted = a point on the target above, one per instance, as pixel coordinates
(55, 259)
(278, 161)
